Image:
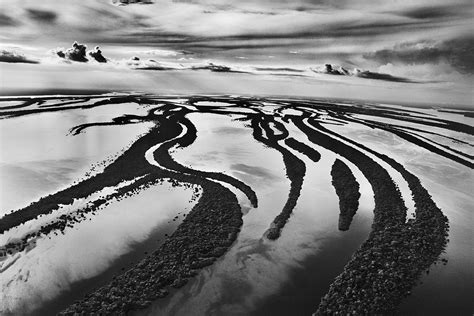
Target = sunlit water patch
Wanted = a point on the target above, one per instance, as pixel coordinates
(39, 156)
(59, 261)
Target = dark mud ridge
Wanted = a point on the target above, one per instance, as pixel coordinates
(378, 276)
(347, 189)
(205, 234)
(383, 271)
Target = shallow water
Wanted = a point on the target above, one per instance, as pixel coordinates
(39, 156)
(112, 241)
(256, 276)
(447, 288)
(255, 270)
(137, 226)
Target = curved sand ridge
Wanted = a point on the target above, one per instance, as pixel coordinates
(382, 272)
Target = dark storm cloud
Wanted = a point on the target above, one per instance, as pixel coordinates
(6, 20)
(43, 16)
(456, 52)
(14, 57)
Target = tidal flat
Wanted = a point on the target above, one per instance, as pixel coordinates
(226, 205)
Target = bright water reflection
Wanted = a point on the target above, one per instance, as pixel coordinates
(255, 268)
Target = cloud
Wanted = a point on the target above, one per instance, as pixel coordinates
(332, 71)
(78, 53)
(97, 55)
(162, 52)
(381, 76)
(148, 64)
(14, 57)
(6, 20)
(126, 2)
(366, 74)
(151, 64)
(215, 68)
(456, 52)
(427, 13)
(439, 73)
(282, 70)
(210, 28)
(44, 16)
(435, 11)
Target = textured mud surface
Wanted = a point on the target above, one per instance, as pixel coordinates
(347, 189)
(379, 275)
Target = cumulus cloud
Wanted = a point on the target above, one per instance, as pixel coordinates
(78, 53)
(456, 52)
(333, 71)
(213, 27)
(14, 57)
(97, 55)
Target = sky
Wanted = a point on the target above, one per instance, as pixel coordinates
(418, 51)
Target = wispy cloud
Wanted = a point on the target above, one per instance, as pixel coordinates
(456, 52)
(211, 19)
(15, 57)
(437, 12)
(127, 2)
(6, 20)
(44, 16)
(77, 53)
(386, 40)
